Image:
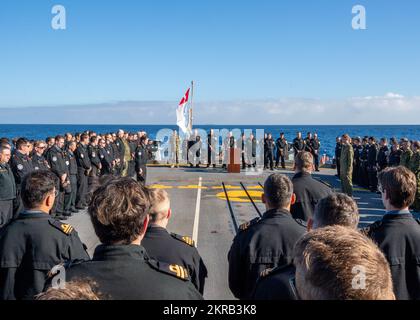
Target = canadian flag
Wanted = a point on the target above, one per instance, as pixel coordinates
(181, 119)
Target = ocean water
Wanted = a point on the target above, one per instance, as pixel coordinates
(327, 134)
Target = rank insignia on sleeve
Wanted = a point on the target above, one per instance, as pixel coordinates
(179, 271)
(184, 239)
(174, 270)
(63, 227)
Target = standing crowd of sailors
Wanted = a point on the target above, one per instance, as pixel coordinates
(276, 151)
(360, 161)
(78, 161)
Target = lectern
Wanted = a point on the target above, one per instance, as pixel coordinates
(234, 165)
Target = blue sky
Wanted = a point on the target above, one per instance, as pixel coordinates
(248, 50)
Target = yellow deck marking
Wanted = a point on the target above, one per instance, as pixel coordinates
(227, 187)
(159, 186)
(192, 186)
(240, 196)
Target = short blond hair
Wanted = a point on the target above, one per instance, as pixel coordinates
(328, 260)
(160, 204)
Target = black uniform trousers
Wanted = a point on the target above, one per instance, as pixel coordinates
(280, 158)
(73, 194)
(82, 188)
(269, 159)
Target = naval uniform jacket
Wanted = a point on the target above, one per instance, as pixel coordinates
(30, 247)
(7, 183)
(21, 165)
(308, 192)
(264, 243)
(125, 272)
(172, 248)
(398, 236)
(39, 162)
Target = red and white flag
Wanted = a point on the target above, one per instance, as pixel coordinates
(181, 119)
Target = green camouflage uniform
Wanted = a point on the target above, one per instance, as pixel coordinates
(405, 158)
(414, 165)
(346, 169)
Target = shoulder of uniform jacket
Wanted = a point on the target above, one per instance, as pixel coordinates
(372, 227)
(271, 271)
(247, 225)
(184, 239)
(174, 270)
(63, 227)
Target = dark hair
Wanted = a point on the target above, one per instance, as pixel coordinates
(20, 142)
(36, 186)
(336, 209)
(278, 190)
(93, 139)
(84, 136)
(59, 137)
(118, 209)
(48, 139)
(400, 185)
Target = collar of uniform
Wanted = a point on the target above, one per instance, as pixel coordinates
(397, 214)
(274, 212)
(28, 214)
(301, 174)
(57, 148)
(116, 252)
(154, 228)
(20, 154)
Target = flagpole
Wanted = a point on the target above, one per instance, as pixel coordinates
(191, 108)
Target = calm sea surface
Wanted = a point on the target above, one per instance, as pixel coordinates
(327, 134)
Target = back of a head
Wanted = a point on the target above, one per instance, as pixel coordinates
(336, 209)
(159, 204)
(74, 290)
(338, 263)
(400, 185)
(278, 190)
(118, 209)
(36, 186)
(304, 162)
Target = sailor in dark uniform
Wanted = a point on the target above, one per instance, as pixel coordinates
(269, 144)
(83, 170)
(278, 283)
(39, 162)
(105, 156)
(70, 204)
(282, 149)
(357, 149)
(364, 175)
(338, 147)
(315, 147)
(170, 247)
(57, 161)
(267, 242)
(7, 187)
(383, 154)
(398, 233)
(308, 191)
(23, 270)
(141, 158)
(95, 161)
(372, 164)
(298, 143)
(120, 266)
(21, 165)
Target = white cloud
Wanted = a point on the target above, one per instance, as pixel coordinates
(392, 108)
